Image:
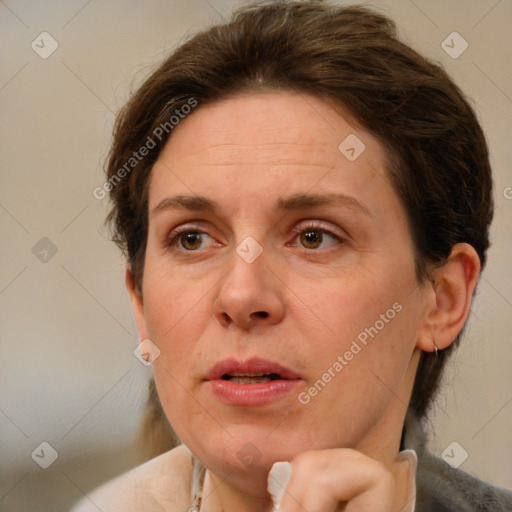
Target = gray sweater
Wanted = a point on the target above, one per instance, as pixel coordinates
(441, 488)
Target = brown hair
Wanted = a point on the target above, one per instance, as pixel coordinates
(437, 151)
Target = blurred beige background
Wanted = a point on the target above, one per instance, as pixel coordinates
(68, 374)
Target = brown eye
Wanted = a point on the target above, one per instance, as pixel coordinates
(316, 238)
(311, 239)
(191, 240)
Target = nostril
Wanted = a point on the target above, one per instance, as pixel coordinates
(261, 314)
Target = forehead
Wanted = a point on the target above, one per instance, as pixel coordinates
(270, 125)
(259, 147)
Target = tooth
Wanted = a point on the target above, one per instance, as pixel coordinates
(250, 380)
(237, 374)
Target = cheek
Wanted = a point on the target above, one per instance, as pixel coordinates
(346, 305)
(370, 322)
(175, 323)
(176, 313)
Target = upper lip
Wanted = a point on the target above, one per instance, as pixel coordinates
(250, 367)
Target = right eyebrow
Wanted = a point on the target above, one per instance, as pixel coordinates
(194, 203)
(308, 201)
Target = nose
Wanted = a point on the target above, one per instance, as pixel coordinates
(249, 296)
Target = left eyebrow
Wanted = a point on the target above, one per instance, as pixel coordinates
(307, 201)
(193, 203)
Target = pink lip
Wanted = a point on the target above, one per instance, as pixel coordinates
(254, 365)
(251, 394)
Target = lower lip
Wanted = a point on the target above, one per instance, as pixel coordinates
(252, 394)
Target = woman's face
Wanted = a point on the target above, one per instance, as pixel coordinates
(279, 285)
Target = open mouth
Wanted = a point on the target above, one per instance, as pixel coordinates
(250, 378)
(251, 382)
(251, 371)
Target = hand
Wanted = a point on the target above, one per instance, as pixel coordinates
(341, 480)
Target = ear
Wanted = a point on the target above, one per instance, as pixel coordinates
(449, 303)
(137, 304)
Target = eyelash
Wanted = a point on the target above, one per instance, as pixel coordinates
(312, 226)
(174, 237)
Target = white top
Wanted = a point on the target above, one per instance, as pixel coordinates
(413, 463)
(157, 485)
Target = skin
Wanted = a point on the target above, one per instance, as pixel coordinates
(301, 306)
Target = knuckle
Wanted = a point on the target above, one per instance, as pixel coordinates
(305, 462)
(382, 474)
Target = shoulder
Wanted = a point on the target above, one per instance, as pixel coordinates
(162, 483)
(442, 488)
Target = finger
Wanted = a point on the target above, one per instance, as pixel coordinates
(321, 480)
